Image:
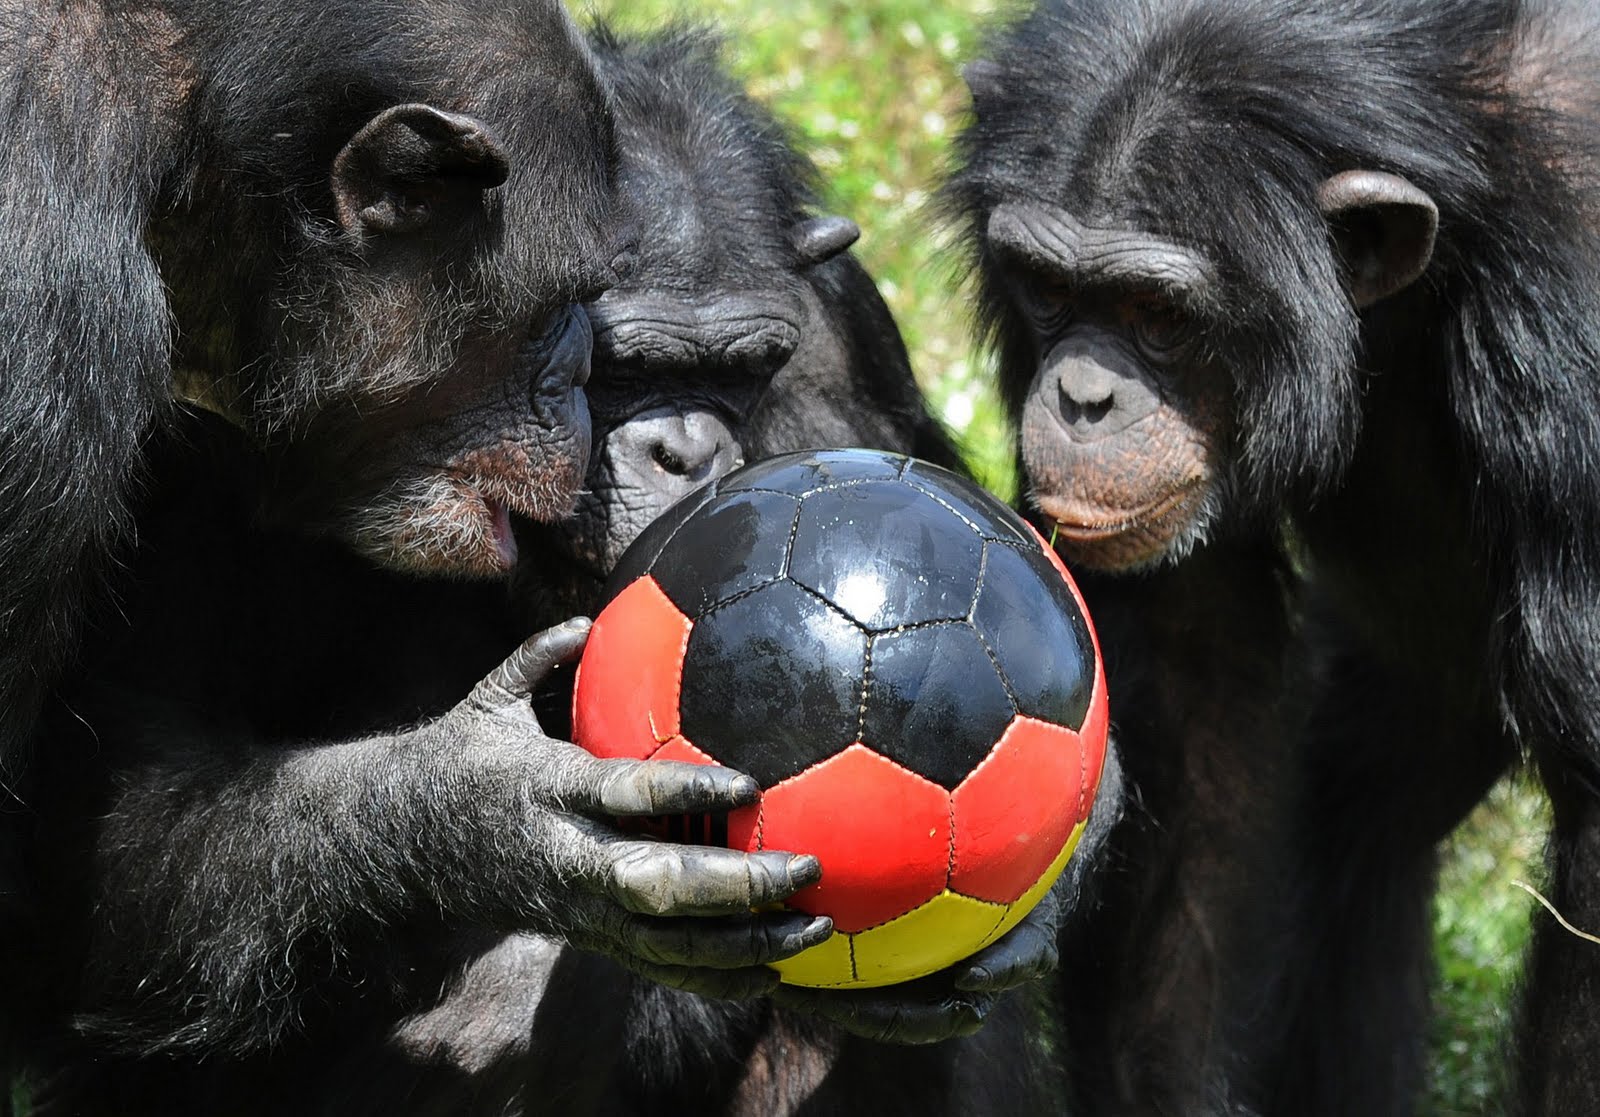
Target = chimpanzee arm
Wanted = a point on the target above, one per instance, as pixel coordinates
(229, 889)
(84, 366)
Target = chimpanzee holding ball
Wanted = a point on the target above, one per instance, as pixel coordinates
(1298, 308)
(273, 871)
(669, 414)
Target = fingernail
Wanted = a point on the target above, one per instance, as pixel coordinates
(580, 624)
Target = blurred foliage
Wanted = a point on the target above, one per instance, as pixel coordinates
(1480, 925)
(873, 91)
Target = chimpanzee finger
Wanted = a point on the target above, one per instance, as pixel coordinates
(722, 985)
(897, 1014)
(513, 682)
(1026, 953)
(722, 944)
(662, 878)
(618, 788)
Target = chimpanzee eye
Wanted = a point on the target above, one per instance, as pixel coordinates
(1046, 299)
(1157, 329)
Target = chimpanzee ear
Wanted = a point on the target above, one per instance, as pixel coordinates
(412, 165)
(1384, 227)
(822, 238)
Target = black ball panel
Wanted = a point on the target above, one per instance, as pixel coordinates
(773, 683)
(641, 554)
(1045, 653)
(992, 519)
(739, 541)
(887, 554)
(934, 701)
(811, 470)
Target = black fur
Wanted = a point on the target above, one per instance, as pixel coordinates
(1431, 464)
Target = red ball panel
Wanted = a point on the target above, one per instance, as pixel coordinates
(625, 699)
(881, 833)
(1013, 814)
(680, 749)
(1095, 729)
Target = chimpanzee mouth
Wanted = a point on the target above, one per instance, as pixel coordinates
(505, 540)
(1075, 523)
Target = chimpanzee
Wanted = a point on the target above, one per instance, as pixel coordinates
(741, 328)
(371, 259)
(237, 923)
(1306, 297)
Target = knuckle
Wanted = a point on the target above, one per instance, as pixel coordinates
(647, 879)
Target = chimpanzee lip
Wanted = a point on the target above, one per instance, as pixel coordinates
(1074, 526)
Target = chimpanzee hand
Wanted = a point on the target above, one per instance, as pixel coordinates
(677, 914)
(956, 1001)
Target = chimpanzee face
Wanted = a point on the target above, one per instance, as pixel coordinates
(416, 372)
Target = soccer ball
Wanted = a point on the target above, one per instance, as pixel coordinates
(904, 666)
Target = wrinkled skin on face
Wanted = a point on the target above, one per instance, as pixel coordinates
(415, 373)
(429, 483)
(1124, 424)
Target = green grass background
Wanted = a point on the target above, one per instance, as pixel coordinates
(872, 90)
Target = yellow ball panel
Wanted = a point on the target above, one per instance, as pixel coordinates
(924, 940)
(1029, 899)
(825, 966)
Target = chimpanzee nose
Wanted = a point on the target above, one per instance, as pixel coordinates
(1088, 392)
(684, 449)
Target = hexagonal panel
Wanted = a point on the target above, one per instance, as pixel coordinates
(772, 682)
(1016, 811)
(988, 514)
(1053, 557)
(934, 702)
(809, 470)
(881, 833)
(625, 697)
(887, 554)
(1032, 623)
(641, 554)
(736, 542)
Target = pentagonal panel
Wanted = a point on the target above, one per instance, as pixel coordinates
(989, 516)
(940, 933)
(625, 698)
(736, 542)
(1031, 622)
(881, 833)
(809, 470)
(1014, 813)
(934, 702)
(887, 554)
(641, 554)
(1030, 899)
(773, 682)
(1096, 728)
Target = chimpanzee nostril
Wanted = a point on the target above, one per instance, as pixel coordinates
(1086, 392)
(671, 451)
